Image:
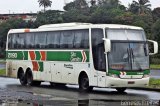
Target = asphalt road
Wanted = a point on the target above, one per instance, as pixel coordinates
(11, 92)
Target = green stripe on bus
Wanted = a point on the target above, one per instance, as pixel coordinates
(117, 72)
(71, 56)
(67, 56)
(87, 54)
(38, 55)
(17, 55)
(41, 66)
(25, 55)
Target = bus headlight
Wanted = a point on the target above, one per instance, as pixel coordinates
(114, 75)
(145, 76)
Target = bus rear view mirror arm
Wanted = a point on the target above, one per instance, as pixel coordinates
(155, 46)
(107, 45)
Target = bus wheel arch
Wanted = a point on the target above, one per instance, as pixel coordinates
(83, 82)
(21, 76)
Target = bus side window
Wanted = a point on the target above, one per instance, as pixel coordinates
(78, 39)
(85, 41)
(14, 41)
(81, 40)
(10, 41)
(29, 41)
(53, 39)
(20, 41)
(40, 40)
(66, 40)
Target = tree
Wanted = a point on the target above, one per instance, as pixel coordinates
(49, 17)
(140, 7)
(109, 3)
(156, 14)
(69, 6)
(45, 3)
(93, 2)
(156, 31)
(156, 34)
(81, 4)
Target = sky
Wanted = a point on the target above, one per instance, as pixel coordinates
(28, 6)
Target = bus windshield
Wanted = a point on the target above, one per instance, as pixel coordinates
(129, 54)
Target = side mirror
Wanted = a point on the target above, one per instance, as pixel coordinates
(155, 47)
(107, 45)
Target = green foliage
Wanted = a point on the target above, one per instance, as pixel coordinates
(69, 6)
(156, 14)
(140, 7)
(153, 81)
(156, 30)
(145, 21)
(49, 17)
(2, 72)
(45, 3)
(155, 66)
(156, 35)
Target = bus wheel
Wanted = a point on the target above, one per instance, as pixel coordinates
(30, 80)
(22, 78)
(29, 77)
(121, 90)
(84, 84)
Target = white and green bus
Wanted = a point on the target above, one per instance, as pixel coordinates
(90, 55)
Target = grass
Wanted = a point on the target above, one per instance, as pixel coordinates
(2, 72)
(155, 66)
(154, 83)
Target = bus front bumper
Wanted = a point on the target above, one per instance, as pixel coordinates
(117, 82)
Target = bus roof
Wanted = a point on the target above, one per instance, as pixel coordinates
(69, 26)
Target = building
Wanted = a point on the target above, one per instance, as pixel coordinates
(24, 16)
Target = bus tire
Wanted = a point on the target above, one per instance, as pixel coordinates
(22, 77)
(121, 90)
(29, 77)
(30, 81)
(84, 84)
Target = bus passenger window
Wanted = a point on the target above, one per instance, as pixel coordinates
(81, 40)
(40, 40)
(29, 40)
(53, 39)
(14, 41)
(10, 41)
(66, 40)
(20, 41)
